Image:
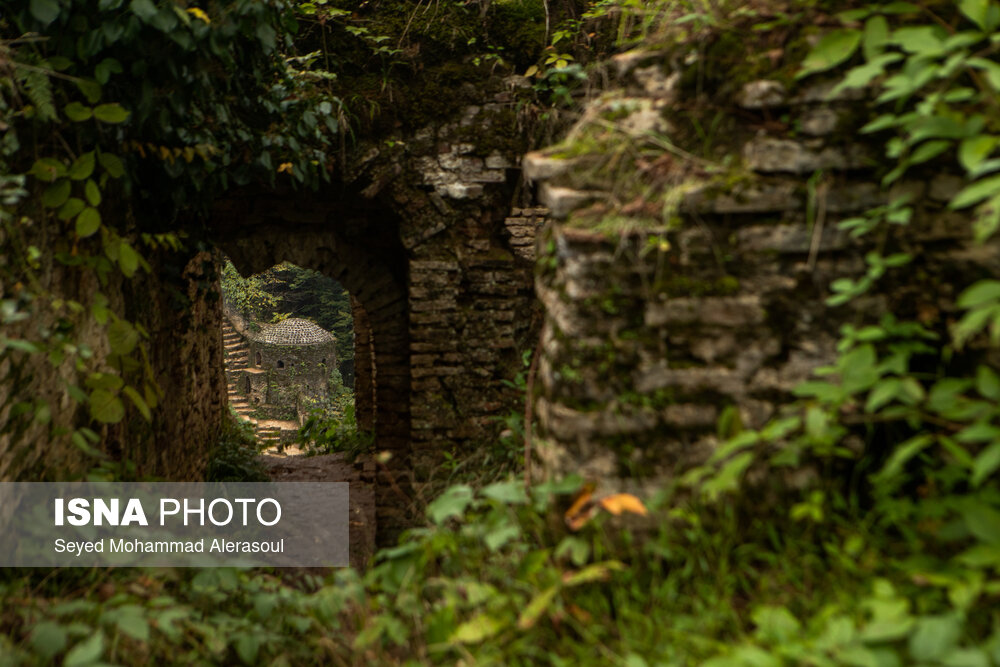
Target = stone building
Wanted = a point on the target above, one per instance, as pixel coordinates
(288, 366)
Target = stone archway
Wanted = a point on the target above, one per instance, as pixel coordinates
(372, 268)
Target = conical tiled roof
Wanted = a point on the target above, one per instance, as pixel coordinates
(293, 331)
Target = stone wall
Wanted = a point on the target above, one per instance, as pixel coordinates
(677, 287)
(438, 264)
(177, 303)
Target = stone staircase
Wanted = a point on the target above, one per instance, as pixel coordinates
(236, 351)
(237, 358)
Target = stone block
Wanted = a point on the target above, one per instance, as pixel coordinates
(762, 94)
(774, 155)
(740, 311)
(563, 201)
(539, 167)
(460, 190)
(819, 122)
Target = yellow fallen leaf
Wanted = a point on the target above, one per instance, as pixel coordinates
(285, 167)
(623, 502)
(199, 14)
(582, 509)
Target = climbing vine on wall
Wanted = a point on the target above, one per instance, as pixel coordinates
(927, 411)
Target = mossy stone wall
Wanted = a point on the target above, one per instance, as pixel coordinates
(685, 293)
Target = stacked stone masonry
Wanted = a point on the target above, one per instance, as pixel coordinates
(654, 329)
(440, 270)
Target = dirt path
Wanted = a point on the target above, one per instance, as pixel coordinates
(333, 468)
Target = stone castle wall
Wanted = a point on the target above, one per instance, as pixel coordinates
(655, 325)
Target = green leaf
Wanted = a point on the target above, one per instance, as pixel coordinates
(976, 11)
(883, 392)
(105, 407)
(986, 464)
(592, 573)
(131, 620)
(883, 122)
(975, 193)
(729, 475)
(92, 193)
(48, 639)
(139, 402)
(875, 36)
(82, 167)
(477, 629)
(45, 11)
(110, 113)
(106, 68)
(71, 208)
(901, 455)
(267, 35)
(776, 624)
(928, 150)
(990, 68)
(982, 521)
(988, 383)
(979, 432)
(90, 89)
(107, 381)
(112, 164)
(47, 169)
(980, 293)
(144, 9)
(86, 652)
(510, 493)
(247, 647)
(88, 222)
(934, 637)
(577, 549)
(122, 337)
(858, 369)
(536, 608)
(56, 194)
(927, 40)
(834, 48)
(451, 503)
(861, 76)
(77, 112)
(974, 150)
(128, 259)
(967, 657)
